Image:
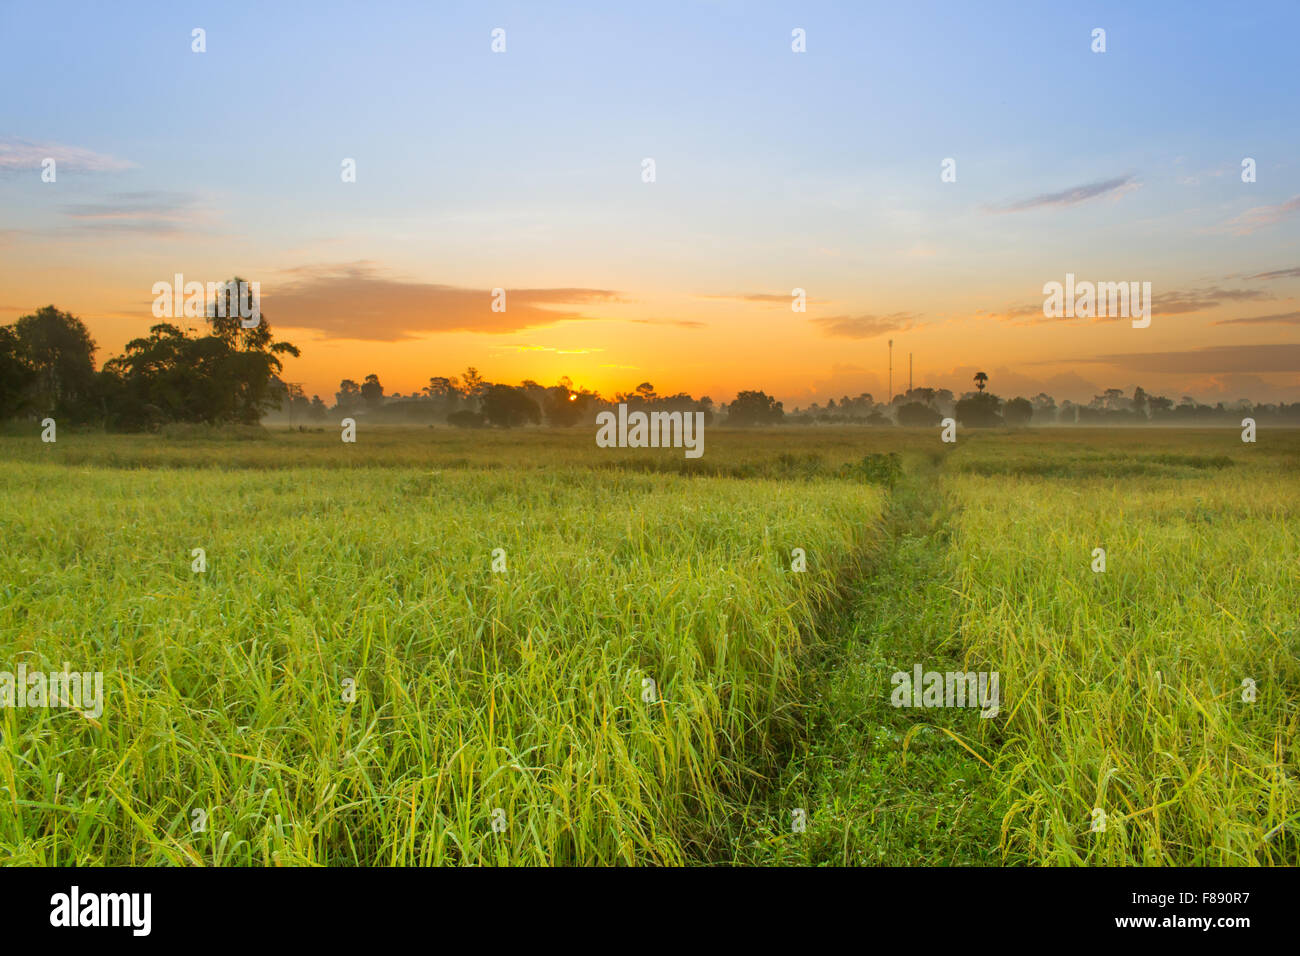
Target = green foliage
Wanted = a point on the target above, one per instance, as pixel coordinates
(522, 691)
(881, 469)
(229, 375)
(475, 690)
(51, 357)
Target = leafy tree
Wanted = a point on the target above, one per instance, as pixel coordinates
(228, 375)
(979, 411)
(466, 419)
(348, 396)
(1159, 405)
(16, 376)
(755, 408)
(917, 415)
(296, 400)
(169, 376)
(318, 411)
(508, 407)
(981, 380)
(442, 387)
(57, 348)
(372, 393)
(563, 408)
(1018, 411)
(472, 384)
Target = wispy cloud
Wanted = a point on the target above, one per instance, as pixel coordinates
(1018, 314)
(1280, 318)
(1212, 359)
(1278, 274)
(763, 298)
(544, 348)
(1259, 217)
(166, 214)
(357, 301)
(865, 326)
(17, 155)
(1173, 302)
(1198, 300)
(679, 323)
(1072, 196)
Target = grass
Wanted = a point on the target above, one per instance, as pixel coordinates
(350, 682)
(1124, 688)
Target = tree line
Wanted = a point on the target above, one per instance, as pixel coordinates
(218, 374)
(223, 373)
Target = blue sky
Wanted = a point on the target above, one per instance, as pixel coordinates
(774, 170)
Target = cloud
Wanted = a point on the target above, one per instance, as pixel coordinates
(1072, 196)
(680, 323)
(1017, 312)
(1278, 274)
(17, 155)
(1009, 383)
(1212, 359)
(1260, 216)
(1176, 302)
(159, 213)
(356, 301)
(1230, 387)
(767, 298)
(1282, 318)
(1197, 300)
(865, 326)
(544, 348)
(843, 378)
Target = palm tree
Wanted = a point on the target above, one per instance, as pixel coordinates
(980, 379)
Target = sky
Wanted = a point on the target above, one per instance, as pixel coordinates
(774, 170)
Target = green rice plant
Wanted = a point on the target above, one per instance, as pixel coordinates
(1126, 691)
(350, 683)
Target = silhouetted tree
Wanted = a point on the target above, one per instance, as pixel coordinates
(917, 415)
(472, 384)
(563, 408)
(467, 419)
(508, 407)
(1018, 411)
(372, 393)
(979, 411)
(348, 396)
(16, 376)
(755, 408)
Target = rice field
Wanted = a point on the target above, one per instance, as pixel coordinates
(440, 647)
